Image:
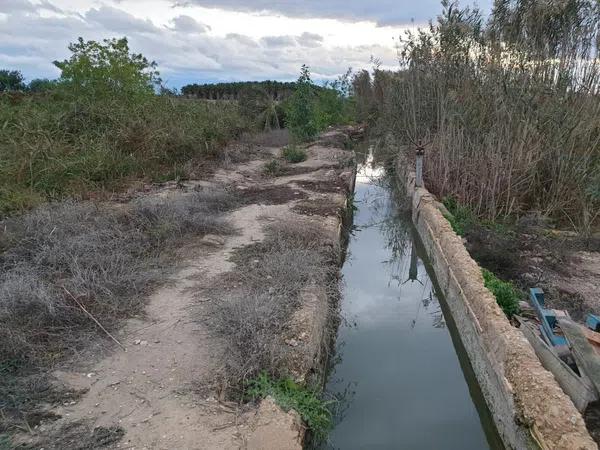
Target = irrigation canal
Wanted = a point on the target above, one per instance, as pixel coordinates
(400, 371)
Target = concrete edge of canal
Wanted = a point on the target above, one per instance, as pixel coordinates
(529, 408)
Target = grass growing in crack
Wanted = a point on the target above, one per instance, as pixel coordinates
(105, 258)
(269, 276)
(294, 154)
(288, 394)
(507, 295)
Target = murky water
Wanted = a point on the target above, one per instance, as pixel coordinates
(402, 382)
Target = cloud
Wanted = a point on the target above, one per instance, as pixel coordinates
(310, 39)
(185, 49)
(187, 24)
(240, 38)
(114, 19)
(278, 41)
(383, 12)
(13, 6)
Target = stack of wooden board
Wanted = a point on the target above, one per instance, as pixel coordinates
(569, 350)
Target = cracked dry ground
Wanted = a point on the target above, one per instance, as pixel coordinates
(159, 393)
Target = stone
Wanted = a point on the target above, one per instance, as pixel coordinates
(213, 240)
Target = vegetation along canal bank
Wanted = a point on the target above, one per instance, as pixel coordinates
(169, 265)
(170, 262)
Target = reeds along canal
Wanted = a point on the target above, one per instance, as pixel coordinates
(401, 376)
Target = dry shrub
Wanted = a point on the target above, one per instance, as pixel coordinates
(509, 110)
(107, 259)
(269, 277)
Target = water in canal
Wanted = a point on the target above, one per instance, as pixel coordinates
(402, 382)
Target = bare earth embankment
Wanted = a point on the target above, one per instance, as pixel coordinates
(173, 382)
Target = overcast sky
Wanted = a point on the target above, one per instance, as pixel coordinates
(215, 40)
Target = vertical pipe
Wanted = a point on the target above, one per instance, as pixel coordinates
(420, 151)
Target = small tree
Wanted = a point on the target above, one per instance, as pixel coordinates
(301, 114)
(333, 105)
(108, 68)
(11, 80)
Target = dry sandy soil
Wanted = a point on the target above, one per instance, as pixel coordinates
(160, 393)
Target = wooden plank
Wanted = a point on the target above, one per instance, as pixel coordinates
(591, 336)
(580, 390)
(586, 357)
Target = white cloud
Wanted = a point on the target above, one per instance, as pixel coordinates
(187, 24)
(190, 44)
(114, 19)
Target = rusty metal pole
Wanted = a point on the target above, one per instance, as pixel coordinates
(420, 152)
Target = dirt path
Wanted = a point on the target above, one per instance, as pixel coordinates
(160, 391)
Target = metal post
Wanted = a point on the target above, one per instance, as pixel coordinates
(420, 151)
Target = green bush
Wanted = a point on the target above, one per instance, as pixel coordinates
(301, 118)
(104, 69)
(294, 154)
(290, 395)
(313, 108)
(507, 295)
(460, 218)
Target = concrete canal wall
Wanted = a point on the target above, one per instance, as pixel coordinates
(528, 406)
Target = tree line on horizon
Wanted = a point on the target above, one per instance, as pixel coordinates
(277, 90)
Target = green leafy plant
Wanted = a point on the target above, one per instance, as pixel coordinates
(460, 217)
(290, 395)
(301, 109)
(507, 295)
(293, 154)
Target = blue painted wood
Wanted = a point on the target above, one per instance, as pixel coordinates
(593, 322)
(546, 317)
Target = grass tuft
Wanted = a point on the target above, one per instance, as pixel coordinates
(461, 218)
(507, 295)
(288, 394)
(294, 154)
(273, 168)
